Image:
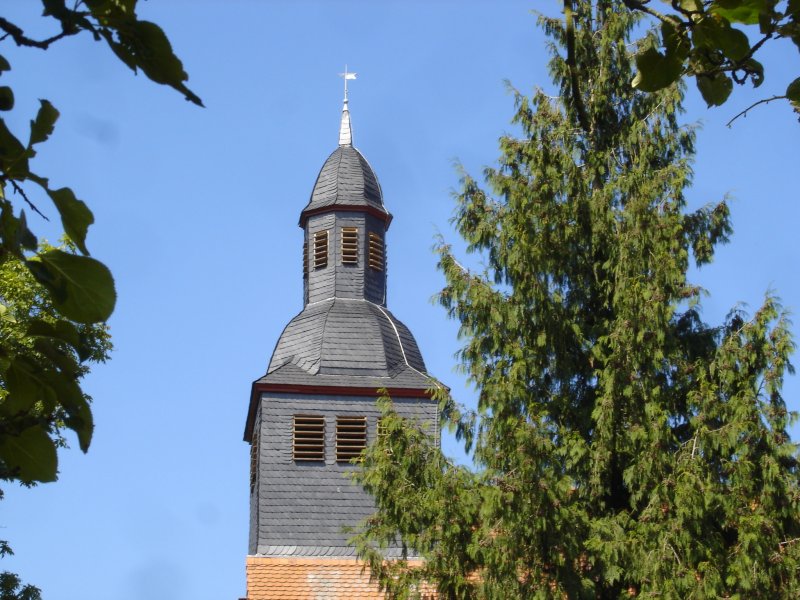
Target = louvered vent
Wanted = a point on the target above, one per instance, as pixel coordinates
(305, 258)
(375, 251)
(351, 437)
(349, 246)
(308, 441)
(254, 459)
(321, 249)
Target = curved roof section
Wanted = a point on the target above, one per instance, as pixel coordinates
(347, 180)
(347, 337)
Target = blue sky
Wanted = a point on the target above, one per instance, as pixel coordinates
(196, 214)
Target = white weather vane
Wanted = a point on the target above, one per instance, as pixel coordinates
(346, 75)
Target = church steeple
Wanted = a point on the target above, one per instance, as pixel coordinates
(314, 409)
(345, 224)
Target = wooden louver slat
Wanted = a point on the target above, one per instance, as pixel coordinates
(254, 460)
(351, 437)
(375, 251)
(305, 259)
(308, 439)
(321, 249)
(349, 245)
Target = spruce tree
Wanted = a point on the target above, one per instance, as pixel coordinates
(622, 447)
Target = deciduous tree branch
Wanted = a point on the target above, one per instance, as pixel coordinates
(642, 7)
(21, 39)
(22, 193)
(753, 105)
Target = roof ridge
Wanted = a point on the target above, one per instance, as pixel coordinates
(322, 337)
(340, 151)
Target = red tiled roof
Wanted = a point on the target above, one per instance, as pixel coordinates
(309, 578)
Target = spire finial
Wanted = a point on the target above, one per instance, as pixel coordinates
(345, 134)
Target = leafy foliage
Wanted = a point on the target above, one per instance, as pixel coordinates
(47, 355)
(70, 288)
(622, 446)
(11, 587)
(54, 301)
(708, 40)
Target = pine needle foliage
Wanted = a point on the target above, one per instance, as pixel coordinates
(622, 446)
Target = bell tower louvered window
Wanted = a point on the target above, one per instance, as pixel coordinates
(308, 439)
(305, 259)
(349, 245)
(254, 460)
(351, 437)
(321, 249)
(375, 251)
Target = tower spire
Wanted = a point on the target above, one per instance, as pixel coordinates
(345, 133)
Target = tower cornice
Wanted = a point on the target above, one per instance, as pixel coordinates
(370, 210)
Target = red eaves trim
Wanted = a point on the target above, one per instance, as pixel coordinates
(371, 210)
(321, 389)
(339, 391)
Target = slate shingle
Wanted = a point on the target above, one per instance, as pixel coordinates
(346, 179)
(350, 337)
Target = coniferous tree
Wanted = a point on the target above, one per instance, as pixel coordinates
(621, 445)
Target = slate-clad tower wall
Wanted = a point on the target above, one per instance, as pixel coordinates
(319, 392)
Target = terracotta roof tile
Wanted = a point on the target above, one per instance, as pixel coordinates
(309, 578)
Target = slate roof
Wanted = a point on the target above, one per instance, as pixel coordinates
(347, 337)
(346, 179)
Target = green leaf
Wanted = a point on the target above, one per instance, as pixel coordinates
(13, 159)
(756, 71)
(42, 126)
(656, 71)
(676, 44)
(739, 11)
(714, 88)
(75, 216)
(6, 98)
(4, 64)
(31, 455)
(14, 231)
(714, 33)
(153, 54)
(82, 288)
(793, 91)
(60, 330)
(25, 387)
(79, 415)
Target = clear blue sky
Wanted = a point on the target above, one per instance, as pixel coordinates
(197, 212)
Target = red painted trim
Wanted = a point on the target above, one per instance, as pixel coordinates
(371, 210)
(338, 391)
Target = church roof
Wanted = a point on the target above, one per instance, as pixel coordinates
(346, 180)
(348, 337)
(332, 578)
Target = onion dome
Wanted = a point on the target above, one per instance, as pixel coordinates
(346, 180)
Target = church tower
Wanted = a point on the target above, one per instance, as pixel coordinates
(315, 408)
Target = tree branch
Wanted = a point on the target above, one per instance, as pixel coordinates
(22, 40)
(22, 193)
(642, 7)
(575, 90)
(753, 105)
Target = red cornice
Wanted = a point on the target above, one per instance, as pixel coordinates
(339, 391)
(331, 390)
(370, 210)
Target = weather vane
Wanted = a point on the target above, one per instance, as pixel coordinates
(346, 75)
